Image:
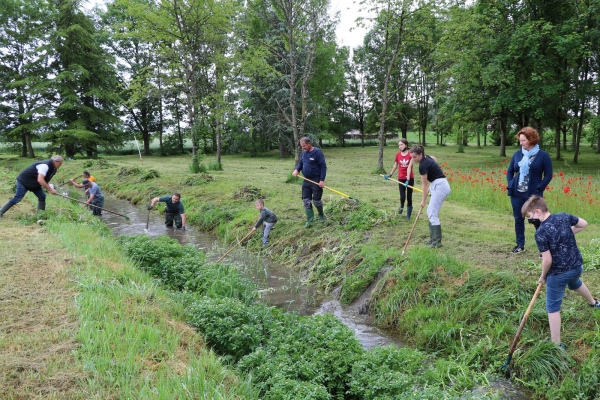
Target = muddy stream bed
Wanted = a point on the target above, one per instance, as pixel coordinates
(279, 285)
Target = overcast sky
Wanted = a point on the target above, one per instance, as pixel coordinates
(348, 34)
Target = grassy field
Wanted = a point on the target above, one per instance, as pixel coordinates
(78, 321)
(463, 301)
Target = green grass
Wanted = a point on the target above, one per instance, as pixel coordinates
(463, 301)
(125, 335)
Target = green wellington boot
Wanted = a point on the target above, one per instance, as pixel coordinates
(428, 242)
(436, 237)
(41, 205)
(310, 217)
(408, 212)
(321, 216)
(5, 208)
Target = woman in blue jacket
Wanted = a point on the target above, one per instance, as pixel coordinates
(529, 172)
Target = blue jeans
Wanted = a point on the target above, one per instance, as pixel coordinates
(97, 202)
(267, 226)
(22, 190)
(555, 287)
(517, 204)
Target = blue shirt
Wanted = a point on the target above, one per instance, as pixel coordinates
(555, 234)
(94, 189)
(312, 164)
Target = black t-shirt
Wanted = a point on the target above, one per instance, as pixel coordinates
(431, 168)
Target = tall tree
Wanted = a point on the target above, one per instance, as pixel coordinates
(400, 28)
(137, 67)
(291, 30)
(24, 34)
(85, 81)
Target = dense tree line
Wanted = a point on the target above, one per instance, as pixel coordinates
(255, 75)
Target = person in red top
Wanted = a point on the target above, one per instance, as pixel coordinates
(404, 163)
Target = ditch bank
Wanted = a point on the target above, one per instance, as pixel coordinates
(280, 286)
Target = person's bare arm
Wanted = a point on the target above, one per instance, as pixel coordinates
(42, 181)
(579, 226)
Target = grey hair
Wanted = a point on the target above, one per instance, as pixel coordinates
(57, 158)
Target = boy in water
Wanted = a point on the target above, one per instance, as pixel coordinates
(562, 263)
(267, 219)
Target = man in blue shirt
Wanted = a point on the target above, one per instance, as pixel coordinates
(313, 167)
(96, 198)
(174, 210)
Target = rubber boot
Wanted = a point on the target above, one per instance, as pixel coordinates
(310, 217)
(5, 208)
(408, 212)
(41, 205)
(400, 209)
(321, 216)
(428, 242)
(436, 238)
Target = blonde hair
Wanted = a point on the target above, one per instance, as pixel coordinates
(535, 202)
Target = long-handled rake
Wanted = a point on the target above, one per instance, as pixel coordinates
(64, 183)
(91, 205)
(236, 245)
(504, 367)
(412, 187)
(412, 229)
(333, 190)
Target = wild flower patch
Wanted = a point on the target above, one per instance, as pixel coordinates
(486, 188)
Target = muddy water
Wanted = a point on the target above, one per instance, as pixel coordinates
(278, 285)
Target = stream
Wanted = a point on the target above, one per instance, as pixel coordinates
(278, 284)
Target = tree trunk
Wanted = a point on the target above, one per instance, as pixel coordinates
(557, 134)
(503, 134)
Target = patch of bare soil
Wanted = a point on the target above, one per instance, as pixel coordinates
(37, 317)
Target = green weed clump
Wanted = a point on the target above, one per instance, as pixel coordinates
(183, 268)
(351, 215)
(210, 215)
(317, 356)
(319, 350)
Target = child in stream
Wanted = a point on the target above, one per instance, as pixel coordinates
(267, 219)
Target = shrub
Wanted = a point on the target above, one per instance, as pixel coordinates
(385, 373)
(320, 350)
(232, 328)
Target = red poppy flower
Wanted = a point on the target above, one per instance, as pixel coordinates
(566, 189)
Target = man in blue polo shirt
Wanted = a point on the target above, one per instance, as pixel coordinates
(174, 210)
(313, 167)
